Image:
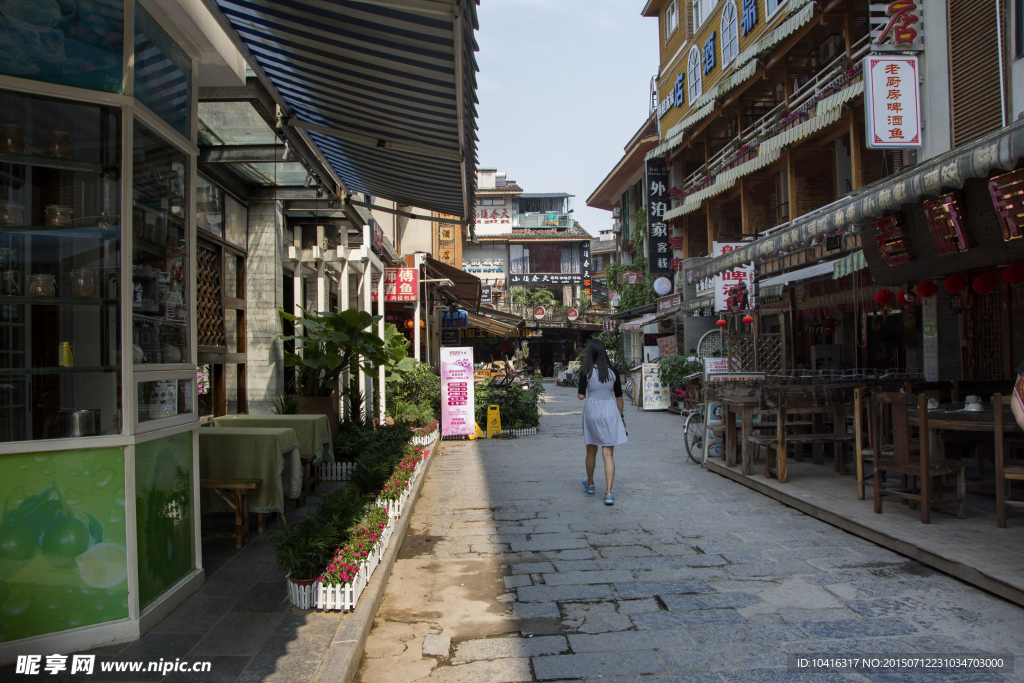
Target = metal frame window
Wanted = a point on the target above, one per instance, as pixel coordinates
(772, 6)
(693, 69)
(730, 33)
(702, 11)
(671, 18)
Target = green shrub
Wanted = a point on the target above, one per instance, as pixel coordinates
(418, 386)
(381, 452)
(305, 548)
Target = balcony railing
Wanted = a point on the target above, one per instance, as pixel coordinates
(541, 220)
(830, 79)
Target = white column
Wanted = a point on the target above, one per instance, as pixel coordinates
(416, 315)
(930, 333)
(365, 384)
(426, 317)
(343, 296)
(321, 284)
(380, 331)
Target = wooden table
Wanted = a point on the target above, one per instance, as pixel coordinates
(252, 453)
(952, 417)
(746, 407)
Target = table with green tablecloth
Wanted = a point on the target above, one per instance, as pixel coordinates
(313, 431)
(270, 454)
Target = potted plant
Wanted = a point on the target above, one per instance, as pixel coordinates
(330, 343)
(674, 372)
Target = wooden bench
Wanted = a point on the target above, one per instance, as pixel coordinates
(239, 502)
(783, 400)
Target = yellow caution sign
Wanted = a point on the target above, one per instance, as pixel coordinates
(479, 433)
(493, 421)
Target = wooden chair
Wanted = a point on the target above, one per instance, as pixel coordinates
(782, 400)
(1007, 471)
(239, 502)
(864, 425)
(911, 459)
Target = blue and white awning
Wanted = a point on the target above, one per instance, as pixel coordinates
(386, 90)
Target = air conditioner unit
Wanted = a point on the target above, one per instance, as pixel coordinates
(616, 226)
(617, 212)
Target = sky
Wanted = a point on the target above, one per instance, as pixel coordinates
(563, 85)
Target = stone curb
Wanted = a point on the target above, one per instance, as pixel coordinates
(341, 661)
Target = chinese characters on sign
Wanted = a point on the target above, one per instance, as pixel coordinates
(893, 102)
(585, 258)
(449, 237)
(545, 278)
(709, 53)
(400, 284)
(457, 400)
(748, 20)
(734, 288)
(668, 302)
(454, 319)
(659, 254)
(492, 216)
(655, 397)
(893, 244)
(897, 25)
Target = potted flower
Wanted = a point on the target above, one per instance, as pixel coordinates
(675, 371)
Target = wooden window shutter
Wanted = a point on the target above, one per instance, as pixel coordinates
(974, 70)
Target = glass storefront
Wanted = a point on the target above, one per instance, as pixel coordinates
(60, 255)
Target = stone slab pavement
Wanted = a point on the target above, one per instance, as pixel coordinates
(689, 576)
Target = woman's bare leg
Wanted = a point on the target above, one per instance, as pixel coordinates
(609, 466)
(591, 461)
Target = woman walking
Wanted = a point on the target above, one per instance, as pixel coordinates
(604, 424)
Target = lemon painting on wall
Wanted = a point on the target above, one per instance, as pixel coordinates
(63, 562)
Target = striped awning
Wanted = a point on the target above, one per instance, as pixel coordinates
(786, 28)
(769, 293)
(805, 129)
(693, 202)
(1001, 149)
(385, 90)
(836, 100)
(849, 265)
(701, 302)
(639, 322)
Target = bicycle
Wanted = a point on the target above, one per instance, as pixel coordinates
(693, 434)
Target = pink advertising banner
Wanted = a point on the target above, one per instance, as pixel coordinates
(457, 401)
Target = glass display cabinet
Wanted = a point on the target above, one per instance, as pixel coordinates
(60, 269)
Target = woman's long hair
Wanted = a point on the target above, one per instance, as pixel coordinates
(596, 356)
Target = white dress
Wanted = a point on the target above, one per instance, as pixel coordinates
(602, 423)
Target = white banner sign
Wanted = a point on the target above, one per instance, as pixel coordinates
(457, 400)
(734, 288)
(892, 101)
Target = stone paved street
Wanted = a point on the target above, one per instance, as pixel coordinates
(688, 577)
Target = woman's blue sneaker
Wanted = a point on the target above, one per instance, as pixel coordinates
(609, 499)
(587, 487)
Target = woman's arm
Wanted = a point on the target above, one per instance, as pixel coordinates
(622, 407)
(581, 389)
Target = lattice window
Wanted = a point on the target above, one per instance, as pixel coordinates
(988, 335)
(946, 225)
(771, 354)
(741, 350)
(209, 303)
(1007, 192)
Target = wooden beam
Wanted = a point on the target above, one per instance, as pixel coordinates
(791, 176)
(744, 209)
(857, 178)
(709, 227)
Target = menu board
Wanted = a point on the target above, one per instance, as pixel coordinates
(655, 397)
(457, 402)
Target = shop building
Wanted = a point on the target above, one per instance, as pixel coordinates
(160, 204)
(765, 113)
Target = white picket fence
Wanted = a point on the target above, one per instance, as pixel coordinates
(426, 439)
(520, 432)
(336, 471)
(343, 598)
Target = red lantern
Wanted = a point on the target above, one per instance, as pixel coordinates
(955, 284)
(747, 319)
(884, 297)
(985, 284)
(927, 289)
(906, 298)
(721, 323)
(1014, 274)
(409, 324)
